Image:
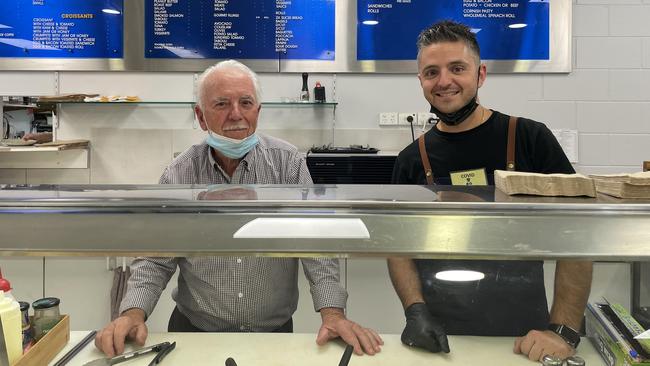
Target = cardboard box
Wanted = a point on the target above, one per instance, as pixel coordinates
(44, 351)
(601, 333)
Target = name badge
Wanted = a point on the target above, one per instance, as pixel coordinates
(476, 177)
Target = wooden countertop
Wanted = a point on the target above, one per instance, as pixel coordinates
(268, 349)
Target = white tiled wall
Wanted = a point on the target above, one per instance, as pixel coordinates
(606, 98)
(612, 41)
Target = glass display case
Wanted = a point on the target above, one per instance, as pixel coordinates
(345, 221)
(330, 220)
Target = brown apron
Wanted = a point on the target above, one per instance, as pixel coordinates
(509, 301)
(510, 151)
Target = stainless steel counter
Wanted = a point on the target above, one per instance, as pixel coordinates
(341, 221)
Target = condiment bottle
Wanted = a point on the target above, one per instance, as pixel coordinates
(10, 315)
(319, 93)
(25, 324)
(5, 286)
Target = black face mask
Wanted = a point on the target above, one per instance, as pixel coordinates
(455, 118)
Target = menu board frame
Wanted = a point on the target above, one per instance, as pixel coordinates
(65, 64)
(346, 42)
(134, 48)
(345, 51)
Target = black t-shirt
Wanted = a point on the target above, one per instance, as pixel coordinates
(511, 299)
(536, 150)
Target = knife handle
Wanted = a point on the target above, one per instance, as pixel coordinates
(140, 352)
(347, 354)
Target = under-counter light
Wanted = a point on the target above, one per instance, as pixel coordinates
(460, 276)
(370, 22)
(111, 11)
(303, 228)
(518, 25)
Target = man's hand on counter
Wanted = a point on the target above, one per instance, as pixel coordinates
(537, 344)
(423, 331)
(335, 325)
(110, 340)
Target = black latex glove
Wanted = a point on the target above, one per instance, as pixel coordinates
(423, 331)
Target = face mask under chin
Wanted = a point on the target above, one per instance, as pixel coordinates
(456, 118)
(232, 148)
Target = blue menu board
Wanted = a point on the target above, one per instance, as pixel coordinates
(251, 29)
(505, 29)
(61, 29)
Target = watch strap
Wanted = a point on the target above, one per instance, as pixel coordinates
(570, 335)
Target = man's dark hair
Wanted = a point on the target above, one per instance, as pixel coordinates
(448, 31)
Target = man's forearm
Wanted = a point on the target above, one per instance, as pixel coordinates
(406, 281)
(332, 312)
(572, 286)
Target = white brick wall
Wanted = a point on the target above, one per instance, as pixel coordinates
(611, 92)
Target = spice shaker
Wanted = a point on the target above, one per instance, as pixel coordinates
(26, 325)
(575, 361)
(549, 360)
(46, 315)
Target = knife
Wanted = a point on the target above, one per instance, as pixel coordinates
(164, 352)
(127, 356)
(346, 355)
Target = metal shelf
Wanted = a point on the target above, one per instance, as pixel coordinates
(279, 104)
(20, 106)
(300, 104)
(19, 149)
(448, 222)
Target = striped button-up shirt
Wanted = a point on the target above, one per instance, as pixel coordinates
(236, 293)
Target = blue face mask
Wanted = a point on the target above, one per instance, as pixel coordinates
(232, 148)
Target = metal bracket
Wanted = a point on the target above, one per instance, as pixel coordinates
(56, 83)
(112, 263)
(333, 108)
(195, 97)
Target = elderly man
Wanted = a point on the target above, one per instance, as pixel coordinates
(230, 294)
(472, 141)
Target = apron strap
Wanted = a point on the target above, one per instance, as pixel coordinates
(428, 173)
(510, 157)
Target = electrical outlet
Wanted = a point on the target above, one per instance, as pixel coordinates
(406, 119)
(426, 118)
(387, 119)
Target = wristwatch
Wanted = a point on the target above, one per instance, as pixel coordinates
(567, 333)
